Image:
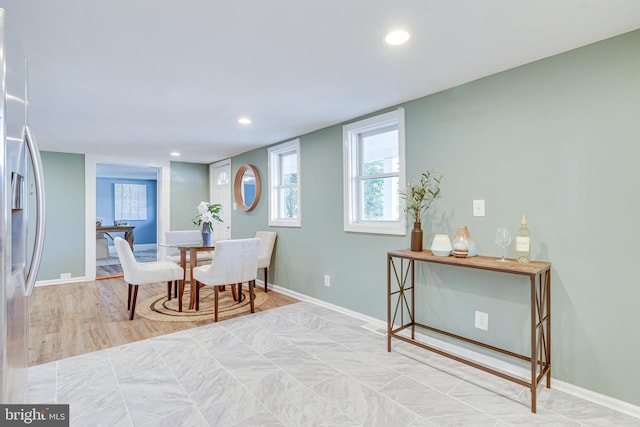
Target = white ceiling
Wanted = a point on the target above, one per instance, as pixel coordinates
(143, 78)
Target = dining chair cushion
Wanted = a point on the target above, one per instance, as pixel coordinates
(234, 261)
(267, 242)
(140, 273)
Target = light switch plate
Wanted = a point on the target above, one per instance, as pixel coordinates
(478, 208)
(482, 320)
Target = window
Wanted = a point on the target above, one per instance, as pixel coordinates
(373, 155)
(223, 178)
(284, 184)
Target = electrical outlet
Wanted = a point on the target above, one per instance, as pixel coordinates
(65, 275)
(327, 280)
(482, 320)
(478, 208)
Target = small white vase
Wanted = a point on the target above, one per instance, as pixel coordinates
(441, 245)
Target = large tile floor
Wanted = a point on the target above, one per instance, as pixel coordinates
(297, 365)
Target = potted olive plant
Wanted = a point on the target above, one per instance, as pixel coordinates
(418, 197)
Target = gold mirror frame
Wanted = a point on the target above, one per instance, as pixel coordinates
(237, 187)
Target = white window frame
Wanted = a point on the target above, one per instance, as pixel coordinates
(275, 188)
(351, 157)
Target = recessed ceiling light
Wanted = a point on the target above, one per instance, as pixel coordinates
(244, 120)
(175, 154)
(397, 37)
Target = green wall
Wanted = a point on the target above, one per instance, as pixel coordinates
(189, 186)
(557, 139)
(64, 212)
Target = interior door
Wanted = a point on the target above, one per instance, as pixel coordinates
(220, 188)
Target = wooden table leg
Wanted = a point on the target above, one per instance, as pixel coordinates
(128, 236)
(183, 264)
(193, 260)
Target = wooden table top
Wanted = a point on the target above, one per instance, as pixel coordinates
(480, 262)
(197, 246)
(103, 228)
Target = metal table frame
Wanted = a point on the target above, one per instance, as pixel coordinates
(401, 268)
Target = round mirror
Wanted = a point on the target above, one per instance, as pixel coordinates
(246, 187)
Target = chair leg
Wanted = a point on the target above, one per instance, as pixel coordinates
(180, 292)
(233, 293)
(133, 303)
(175, 290)
(197, 295)
(252, 283)
(215, 304)
(266, 278)
(239, 292)
(129, 298)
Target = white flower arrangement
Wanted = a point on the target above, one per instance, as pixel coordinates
(207, 213)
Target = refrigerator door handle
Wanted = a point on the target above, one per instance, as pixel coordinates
(36, 161)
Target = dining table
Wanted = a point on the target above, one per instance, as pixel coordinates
(192, 248)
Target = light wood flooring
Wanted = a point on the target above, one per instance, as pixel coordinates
(76, 318)
(110, 266)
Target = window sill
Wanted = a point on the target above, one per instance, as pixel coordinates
(376, 229)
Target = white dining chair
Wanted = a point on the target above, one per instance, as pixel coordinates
(144, 273)
(234, 262)
(184, 236)
(267, 242)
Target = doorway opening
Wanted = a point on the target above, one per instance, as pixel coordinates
(126, 205)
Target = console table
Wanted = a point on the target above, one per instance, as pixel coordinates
(126, 229)
(401, 310)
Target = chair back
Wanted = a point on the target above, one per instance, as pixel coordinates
(127, 260)
(267, 242)
(181, 236)
(234, 261)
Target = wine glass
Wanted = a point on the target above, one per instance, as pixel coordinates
(503, 239)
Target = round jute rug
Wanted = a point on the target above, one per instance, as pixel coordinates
(158, 308)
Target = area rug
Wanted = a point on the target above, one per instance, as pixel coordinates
(158, 308)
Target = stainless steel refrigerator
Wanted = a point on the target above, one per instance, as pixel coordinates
(20, 241)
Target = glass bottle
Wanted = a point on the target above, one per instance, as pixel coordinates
(523, 241)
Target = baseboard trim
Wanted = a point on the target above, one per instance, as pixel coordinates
(592, 396)
(136, 247)
(61, 281)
